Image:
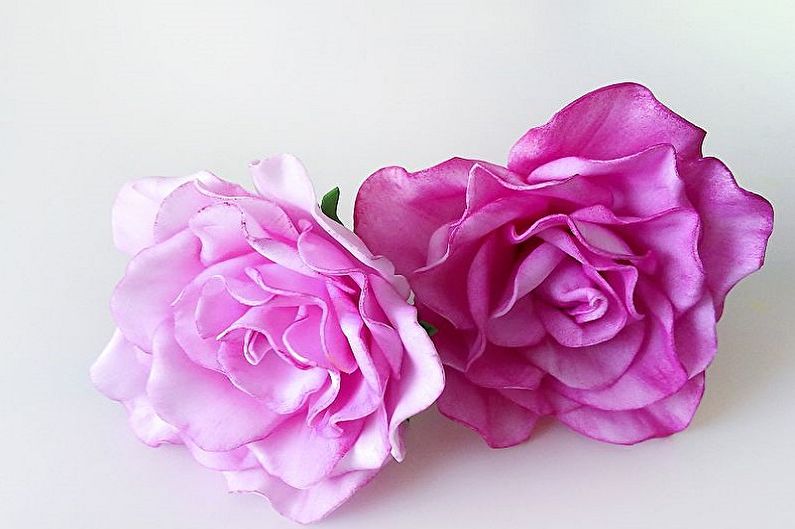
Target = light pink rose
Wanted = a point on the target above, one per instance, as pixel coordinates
(263, 336)
(585, 280)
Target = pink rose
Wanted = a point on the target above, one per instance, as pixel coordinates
(263, 336)
(585, 280)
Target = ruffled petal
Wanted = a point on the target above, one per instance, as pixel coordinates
(642, 184)
(593, 367)
(421, 374)
(121, 370)
(396, 212)
(301, 455)
(736, 226)
(500, 421)
(176, 210)
(696, 336)
(283, 180)
(238, 459)
(371, 449)
(660, 419)
(154, 278)
(273, 380)
(300, 505)
(503, 368)
(655, 373)
(202, 403)
(148, 426)
(610, 122)
(135, 209)
(220, 228)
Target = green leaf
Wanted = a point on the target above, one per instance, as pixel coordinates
(329, 203)
(430, 329)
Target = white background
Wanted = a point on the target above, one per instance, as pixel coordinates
(95, 93)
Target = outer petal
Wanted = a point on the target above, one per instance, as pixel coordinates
(237, 459)
(421, 377)
(500, 421)
(120, 372)
(396, 212)
(283, 179)
(202, 403)
(154, 278)
(301, 455)
(148, 426)
(610, 122)
(356, 247)
(736, 225)
(300, 505)
(135, 210)
(665, 417)
(183, 203)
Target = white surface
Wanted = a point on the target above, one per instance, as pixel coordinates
(95, 93)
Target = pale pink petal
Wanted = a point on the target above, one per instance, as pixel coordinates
(278, 383)
(351, 242)
(188, 199)
(135, 209)
(286, 451)
(121, 370)
(154, 278)
(220, 229)
(238, 459)
(421, 375)
(148, 426)
(211, 302)
(374, 368)
(300, 505)
(202, 403)
(371, 449)
(283, 180)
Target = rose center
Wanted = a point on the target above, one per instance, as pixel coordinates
(584, 304)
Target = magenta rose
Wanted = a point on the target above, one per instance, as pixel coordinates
(263, 336)
(585, 280)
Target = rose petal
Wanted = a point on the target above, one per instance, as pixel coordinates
(121, 370)
(283, 180)
(655, 373)
(202, 403)
(610, 122)
(500, 421)
(154, 278)
(279, 384)
(660, 419)
(396, 211)
(135, 209)
(421, 375)
(302, 506)
(736, 226)
(286, 451)
(592, 367)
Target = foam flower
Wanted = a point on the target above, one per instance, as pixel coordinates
(585, 279)
(263, 336)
